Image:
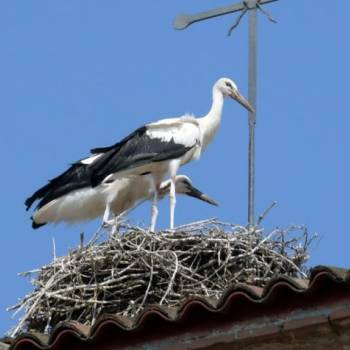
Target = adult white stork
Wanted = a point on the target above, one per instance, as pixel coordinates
(154, 149)
(89, 202)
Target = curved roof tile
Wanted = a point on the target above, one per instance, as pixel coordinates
(232, 298)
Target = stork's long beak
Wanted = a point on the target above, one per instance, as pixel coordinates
(194, 192)
(236, 95)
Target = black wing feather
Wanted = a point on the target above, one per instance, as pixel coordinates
(134, 151)
(118, 145)
(76, 177)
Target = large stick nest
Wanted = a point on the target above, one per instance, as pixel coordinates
(134, 268)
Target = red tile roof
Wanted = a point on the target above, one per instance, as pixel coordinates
(293, 303)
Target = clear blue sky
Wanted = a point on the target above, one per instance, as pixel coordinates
(81, 74)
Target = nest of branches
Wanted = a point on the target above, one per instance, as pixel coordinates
(134, 268)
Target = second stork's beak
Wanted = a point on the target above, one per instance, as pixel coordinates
(194, 192)
(236, 95)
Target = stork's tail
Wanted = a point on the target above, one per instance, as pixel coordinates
(29, 202)
(36, 225)
(40, 193)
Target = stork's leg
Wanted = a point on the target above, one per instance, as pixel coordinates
(154, 210)
(107, 213)
(114, 224)
(173, 167)
(172, 195)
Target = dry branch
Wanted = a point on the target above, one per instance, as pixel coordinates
(134, 268)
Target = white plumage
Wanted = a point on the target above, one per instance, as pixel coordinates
(155, 149)
(89, 203)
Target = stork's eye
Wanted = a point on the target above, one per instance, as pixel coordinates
(228, 84)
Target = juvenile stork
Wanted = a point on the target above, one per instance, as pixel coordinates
(154, 149)
(89, 202)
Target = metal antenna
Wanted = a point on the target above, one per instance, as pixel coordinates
(183, 21)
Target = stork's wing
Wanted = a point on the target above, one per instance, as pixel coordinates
(119, 144)
(76, 177)
(151, 143)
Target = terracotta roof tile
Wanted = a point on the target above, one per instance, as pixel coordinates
(241, 299)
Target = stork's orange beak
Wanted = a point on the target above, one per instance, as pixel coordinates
(236, 95)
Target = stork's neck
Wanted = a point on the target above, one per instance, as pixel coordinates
(210, 123)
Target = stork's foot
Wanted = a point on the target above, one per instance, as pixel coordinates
(151, 230)
(110, 225)
(170, 230)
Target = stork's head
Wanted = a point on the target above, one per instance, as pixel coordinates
(183, 185)
(229, 88)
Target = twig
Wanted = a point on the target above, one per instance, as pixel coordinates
(172, 279)
(133, 268)
(81, 240)
(265, 212)
(54, 248)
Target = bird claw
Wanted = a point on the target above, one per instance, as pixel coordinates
(110, 225)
